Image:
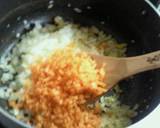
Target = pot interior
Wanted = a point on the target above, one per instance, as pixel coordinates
(132, 22)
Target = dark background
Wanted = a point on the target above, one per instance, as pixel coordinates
(7, 5)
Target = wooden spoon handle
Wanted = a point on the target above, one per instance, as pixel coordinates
(142, 63)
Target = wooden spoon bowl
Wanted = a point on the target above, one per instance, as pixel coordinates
(118, 69)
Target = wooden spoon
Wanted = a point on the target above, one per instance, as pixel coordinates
(118, 69)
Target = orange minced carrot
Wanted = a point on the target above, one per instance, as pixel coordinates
(60, 86)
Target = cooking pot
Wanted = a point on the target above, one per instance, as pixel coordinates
(135, 22)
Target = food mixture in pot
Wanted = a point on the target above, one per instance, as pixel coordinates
(48, 78)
